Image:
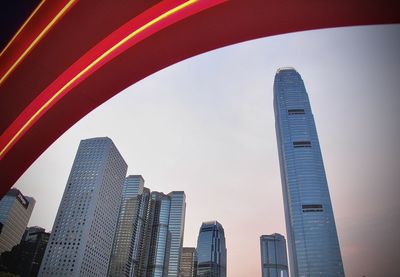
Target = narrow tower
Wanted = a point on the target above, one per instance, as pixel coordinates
(312, 238)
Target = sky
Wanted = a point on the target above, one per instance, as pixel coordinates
(206, 126)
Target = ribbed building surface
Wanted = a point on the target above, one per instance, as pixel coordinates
(312, 238)
(82, 237)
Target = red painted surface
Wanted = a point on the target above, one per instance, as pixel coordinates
(90, 27)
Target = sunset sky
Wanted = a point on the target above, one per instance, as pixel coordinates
(206, 126)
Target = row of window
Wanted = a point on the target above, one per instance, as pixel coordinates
(312, 208)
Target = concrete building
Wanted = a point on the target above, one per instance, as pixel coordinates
(82, 237)
(15, 211)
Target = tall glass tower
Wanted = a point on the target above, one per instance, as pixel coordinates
(211, 250)
(128, 220)
(176, 227)
(163, 235)
(273, 256)
(312, 238)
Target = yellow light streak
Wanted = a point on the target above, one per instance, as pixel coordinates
(37, 39)
(91, 65)
(22, 27)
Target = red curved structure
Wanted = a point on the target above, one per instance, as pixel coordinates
(70, 56)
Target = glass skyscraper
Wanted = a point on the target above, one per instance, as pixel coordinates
(312, 239)
(127, 226)
(211, 250)
(274, 261)
(161, 246)
(176, 227)
(82, 237)
(15, 211)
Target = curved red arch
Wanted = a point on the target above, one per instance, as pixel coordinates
(72, 55)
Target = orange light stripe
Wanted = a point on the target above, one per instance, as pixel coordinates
(37, 39)
(91, 65)
(22, 27)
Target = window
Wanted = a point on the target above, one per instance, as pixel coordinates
(312, 208)
(295, 111)
(301, 144)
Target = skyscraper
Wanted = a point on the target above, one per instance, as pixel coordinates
(15, 211)
(25, 258)
(128, 219)
(161, 248)
(312, 238)
(176, 227)
(189, 262)
(273, 256)
(158, 236)
(211, 250)
(82, 237)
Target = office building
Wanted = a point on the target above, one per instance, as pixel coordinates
(161, 247)
(123, 246)
(176, 227)
(82, 237)
(25, 258)
(15, 211)
(312, 239)
(189, 262)
(274, 261)
(211, 250)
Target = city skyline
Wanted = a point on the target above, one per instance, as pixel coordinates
(171, 116)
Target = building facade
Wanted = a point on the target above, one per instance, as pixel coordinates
(25, 258)
(211, 250)
(82, 237)
(312, 239)
(128, 219)
(161, 242)
(176, 226)
(15, 211)
(189, 262)
(274, 261)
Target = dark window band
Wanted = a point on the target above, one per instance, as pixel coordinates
(295, 111)
(312, 208)
(298, 144)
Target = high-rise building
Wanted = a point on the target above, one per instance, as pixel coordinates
(274, 261)
(189, 262)
(82, 237)
(158, 237)
(25, 258)
(176, 227)
(312, 239)
(128, 219)
(139, 242)
(211, 250)
(15, 211)
(161, 247)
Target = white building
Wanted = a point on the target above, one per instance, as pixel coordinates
(82, 237)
